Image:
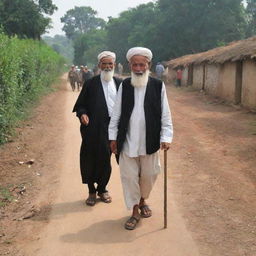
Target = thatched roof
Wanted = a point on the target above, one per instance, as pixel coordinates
(234, 51)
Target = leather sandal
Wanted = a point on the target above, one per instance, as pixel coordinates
(131, 223)
(91, 200)
(145, 211)
(105, 197)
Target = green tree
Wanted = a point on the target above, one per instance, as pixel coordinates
(80, 20)
(25, 18)
(62, 45)
(135, 27)
(87, 46)
(194, 26)
(27, 69)
(46, 6)
(251, 17)
(56, 48)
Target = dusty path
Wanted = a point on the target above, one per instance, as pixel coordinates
(75, 229)
(211, 192)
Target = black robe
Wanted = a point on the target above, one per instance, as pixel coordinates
(95, 150)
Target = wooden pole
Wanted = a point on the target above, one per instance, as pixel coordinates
(165, 188)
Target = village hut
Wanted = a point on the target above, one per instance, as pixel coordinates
(228, 72)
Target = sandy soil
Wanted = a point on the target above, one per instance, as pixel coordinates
(211, 186)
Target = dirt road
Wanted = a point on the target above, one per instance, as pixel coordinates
(211, 193)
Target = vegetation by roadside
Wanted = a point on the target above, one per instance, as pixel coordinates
(27, 69)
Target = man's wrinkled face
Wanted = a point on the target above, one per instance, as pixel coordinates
(139, 70)
(139, 64)
(106, 64)
(107, 67)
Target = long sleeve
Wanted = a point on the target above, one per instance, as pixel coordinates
(113, 125)
(80, 105)
(166, 120)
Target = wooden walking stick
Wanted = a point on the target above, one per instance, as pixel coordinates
(165, 188)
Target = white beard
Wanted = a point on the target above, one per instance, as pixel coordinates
(139, 80)
(107, 75)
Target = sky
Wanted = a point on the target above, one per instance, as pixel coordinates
(104, 9)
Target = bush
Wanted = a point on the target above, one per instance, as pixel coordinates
(27, 69)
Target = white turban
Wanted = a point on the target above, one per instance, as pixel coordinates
(106, 54)
(141, 51)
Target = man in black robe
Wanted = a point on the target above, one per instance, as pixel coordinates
(93, 108)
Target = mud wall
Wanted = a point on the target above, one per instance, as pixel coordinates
(227, 82)
(249, 84)
(212, 78)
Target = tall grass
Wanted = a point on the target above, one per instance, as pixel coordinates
(27, 69)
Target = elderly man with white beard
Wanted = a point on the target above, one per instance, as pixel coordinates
(94, 108)
(140, 125)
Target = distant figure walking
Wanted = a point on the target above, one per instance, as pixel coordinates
(120, 69)
(86, 75)
(179, 76)
(73, 77)
(95, 70)
(159, 70)
(80, 77)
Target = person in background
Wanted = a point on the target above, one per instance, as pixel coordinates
(179, 76)
(120, 69)
(95, 70)
(159, 70)
(73, 77)
(80, 78)
(86, 75)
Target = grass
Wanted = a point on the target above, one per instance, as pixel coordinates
(5, 196)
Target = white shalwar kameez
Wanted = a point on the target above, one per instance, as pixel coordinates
(139, 170)
(109, 89)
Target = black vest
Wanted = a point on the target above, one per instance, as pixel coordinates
(152, 108)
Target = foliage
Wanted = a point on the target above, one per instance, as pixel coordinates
(62, 45)
(133, 27)
(87, 33)
(170, 28)
(195, 26)
(27, 68)
(46, 6)
(25, 18)
(5, 196)
(173, 28)
(81, 20)
(87, 47)
(251, 17)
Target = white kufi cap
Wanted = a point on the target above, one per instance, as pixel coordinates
(141, 51)
(106, 54)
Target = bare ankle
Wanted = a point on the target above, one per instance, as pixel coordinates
(135, 211)
(142, 202)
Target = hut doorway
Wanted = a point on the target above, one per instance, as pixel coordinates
(238, 88)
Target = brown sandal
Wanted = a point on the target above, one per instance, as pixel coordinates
(131, 223)
(145, 211)
(91, 200)
(105, 197)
